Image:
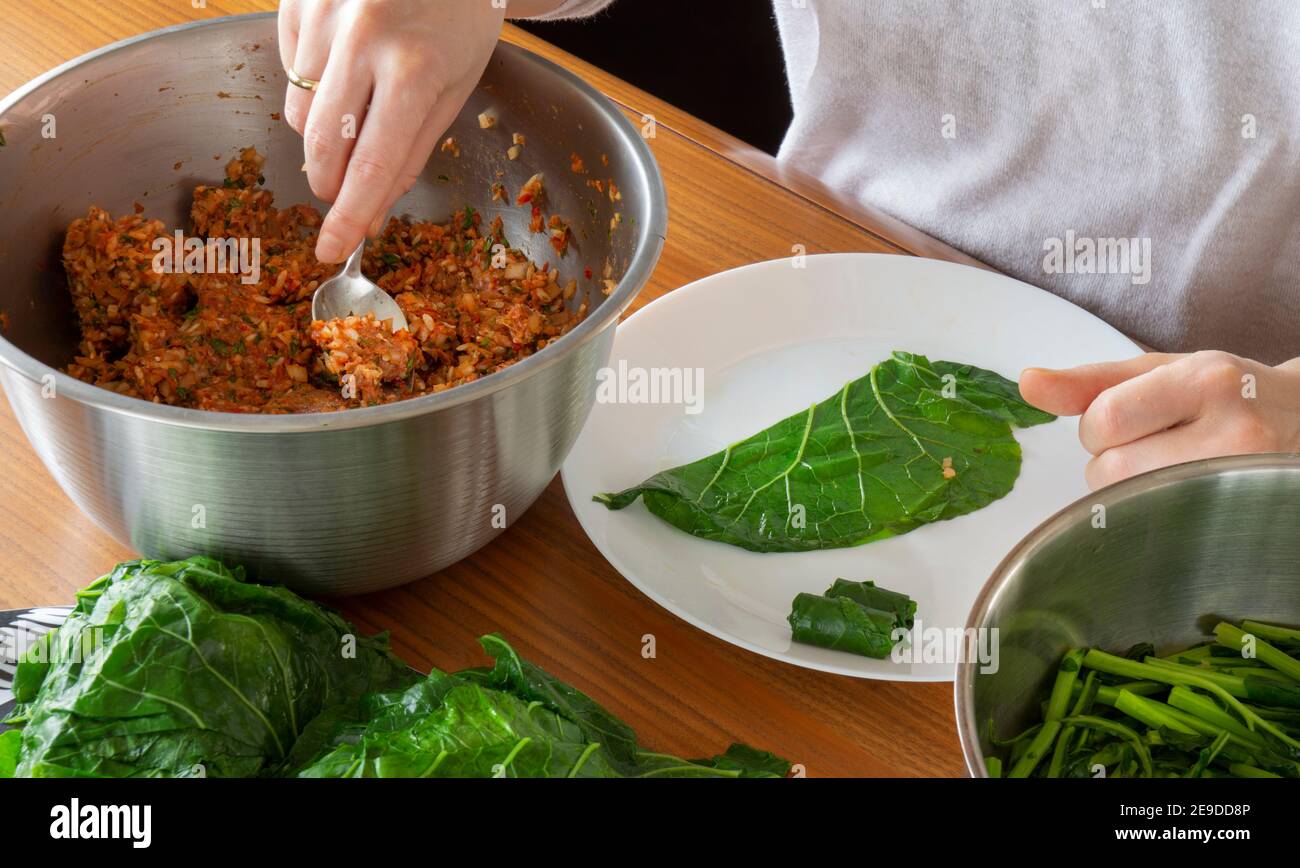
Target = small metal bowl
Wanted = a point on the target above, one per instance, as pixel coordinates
(1181, 549)
(325, 502)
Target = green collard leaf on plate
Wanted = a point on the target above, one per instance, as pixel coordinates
(912, 442)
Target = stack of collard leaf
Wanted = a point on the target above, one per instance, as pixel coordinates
(187, 669)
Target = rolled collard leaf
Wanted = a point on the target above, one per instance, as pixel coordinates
(868, 594)
(842, 624)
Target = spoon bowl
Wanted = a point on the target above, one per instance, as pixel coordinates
(351, 293)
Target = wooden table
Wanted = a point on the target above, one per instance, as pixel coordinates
(542, 584)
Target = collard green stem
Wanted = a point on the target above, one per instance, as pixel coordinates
(1242, 770)
(1083, 700)
(1265, 691)
(1156, 715)
(1272, 632)
(1173, 674)
(1235, 638)
(1207, 756)
(1058, 703)
(1115, 728)
(1207, 710)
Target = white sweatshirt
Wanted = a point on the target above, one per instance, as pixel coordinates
(1164, 137)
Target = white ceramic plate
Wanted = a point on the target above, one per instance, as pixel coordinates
(772, 338)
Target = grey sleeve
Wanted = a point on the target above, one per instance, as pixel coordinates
(571, 9)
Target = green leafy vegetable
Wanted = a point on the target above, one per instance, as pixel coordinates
(856, 617)
(749, 762)
(10, 744)
(912, 442)
(1067, 672)
(513, 720)
(1189, 715)
(866, 593)
(1288, 636)
(449, 727)
(1235, 638)
(532, 684)
(182, 669)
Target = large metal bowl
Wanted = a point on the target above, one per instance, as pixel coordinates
(1182, 548)
(331, 503)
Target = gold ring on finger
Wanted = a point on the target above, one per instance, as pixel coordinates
(298, 81)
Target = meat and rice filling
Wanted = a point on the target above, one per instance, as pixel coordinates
(216, 340)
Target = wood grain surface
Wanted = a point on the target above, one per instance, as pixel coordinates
(542, 584)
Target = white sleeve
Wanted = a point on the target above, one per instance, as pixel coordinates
(570, 9)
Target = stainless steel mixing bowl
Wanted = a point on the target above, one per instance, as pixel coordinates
(1182, 548)
(330, 503)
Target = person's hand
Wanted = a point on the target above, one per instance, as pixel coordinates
(1162, 409)
(393, 76)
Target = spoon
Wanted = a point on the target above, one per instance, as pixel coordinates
(350, 293)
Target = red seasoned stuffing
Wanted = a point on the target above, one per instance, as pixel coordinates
(559, 234)
(532, 191)
(366, 350)
(213, 342)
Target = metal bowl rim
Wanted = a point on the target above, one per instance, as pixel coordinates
(964, 680)
(649, 243)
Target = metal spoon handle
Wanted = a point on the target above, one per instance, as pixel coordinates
(353, 266)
